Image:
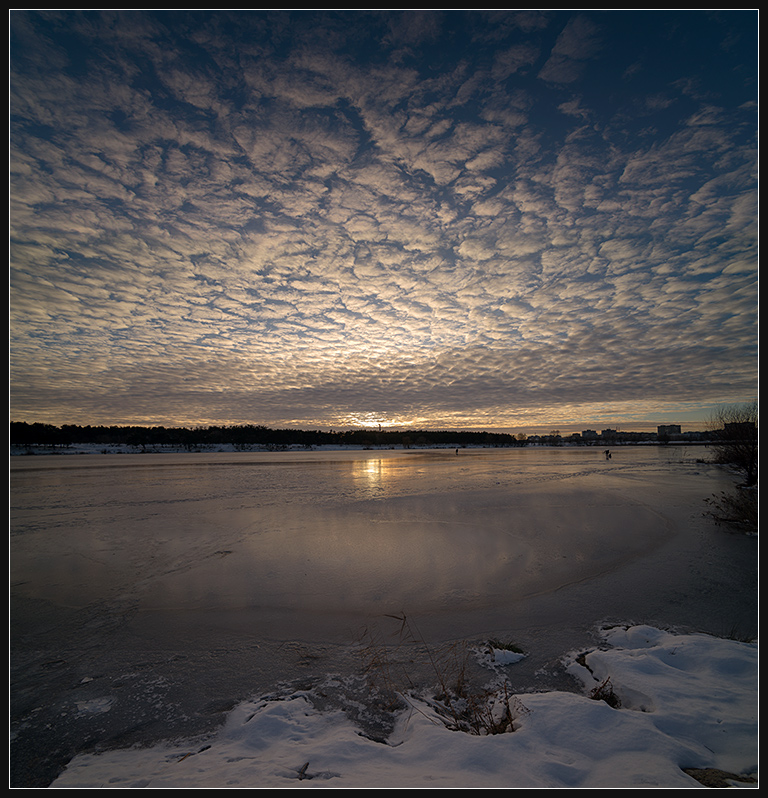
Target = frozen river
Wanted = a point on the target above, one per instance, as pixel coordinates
(149, 593)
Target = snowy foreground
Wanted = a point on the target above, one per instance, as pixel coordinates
(676, 703)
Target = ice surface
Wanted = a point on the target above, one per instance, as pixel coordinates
(177, 585)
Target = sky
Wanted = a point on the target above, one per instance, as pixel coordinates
(502, 220)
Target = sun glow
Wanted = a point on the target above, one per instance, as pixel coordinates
(376, 421)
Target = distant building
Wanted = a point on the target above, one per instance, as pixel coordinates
(589, 434)
(668, 429)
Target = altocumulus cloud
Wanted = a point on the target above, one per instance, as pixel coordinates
(484, 219)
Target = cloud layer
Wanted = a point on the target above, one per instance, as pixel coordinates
(451, 219)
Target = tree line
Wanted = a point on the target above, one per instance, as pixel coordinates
(244, 436)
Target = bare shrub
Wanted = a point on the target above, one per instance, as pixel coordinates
(737, 510)
(604, 692)
(459, 705)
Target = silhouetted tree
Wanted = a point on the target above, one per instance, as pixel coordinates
(734, 433)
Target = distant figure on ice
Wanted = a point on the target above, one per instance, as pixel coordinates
(457, 451)
(607, 454)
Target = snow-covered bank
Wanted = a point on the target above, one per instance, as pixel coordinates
(684, 702)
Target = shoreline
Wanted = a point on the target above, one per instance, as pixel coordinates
(126, 449)
(652, 728)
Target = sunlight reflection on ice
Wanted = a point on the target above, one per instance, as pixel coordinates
(329, 532)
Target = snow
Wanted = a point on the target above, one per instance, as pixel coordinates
(686, 701)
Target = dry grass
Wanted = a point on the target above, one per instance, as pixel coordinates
(604, 692)
(389, 666)
(737, 510)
